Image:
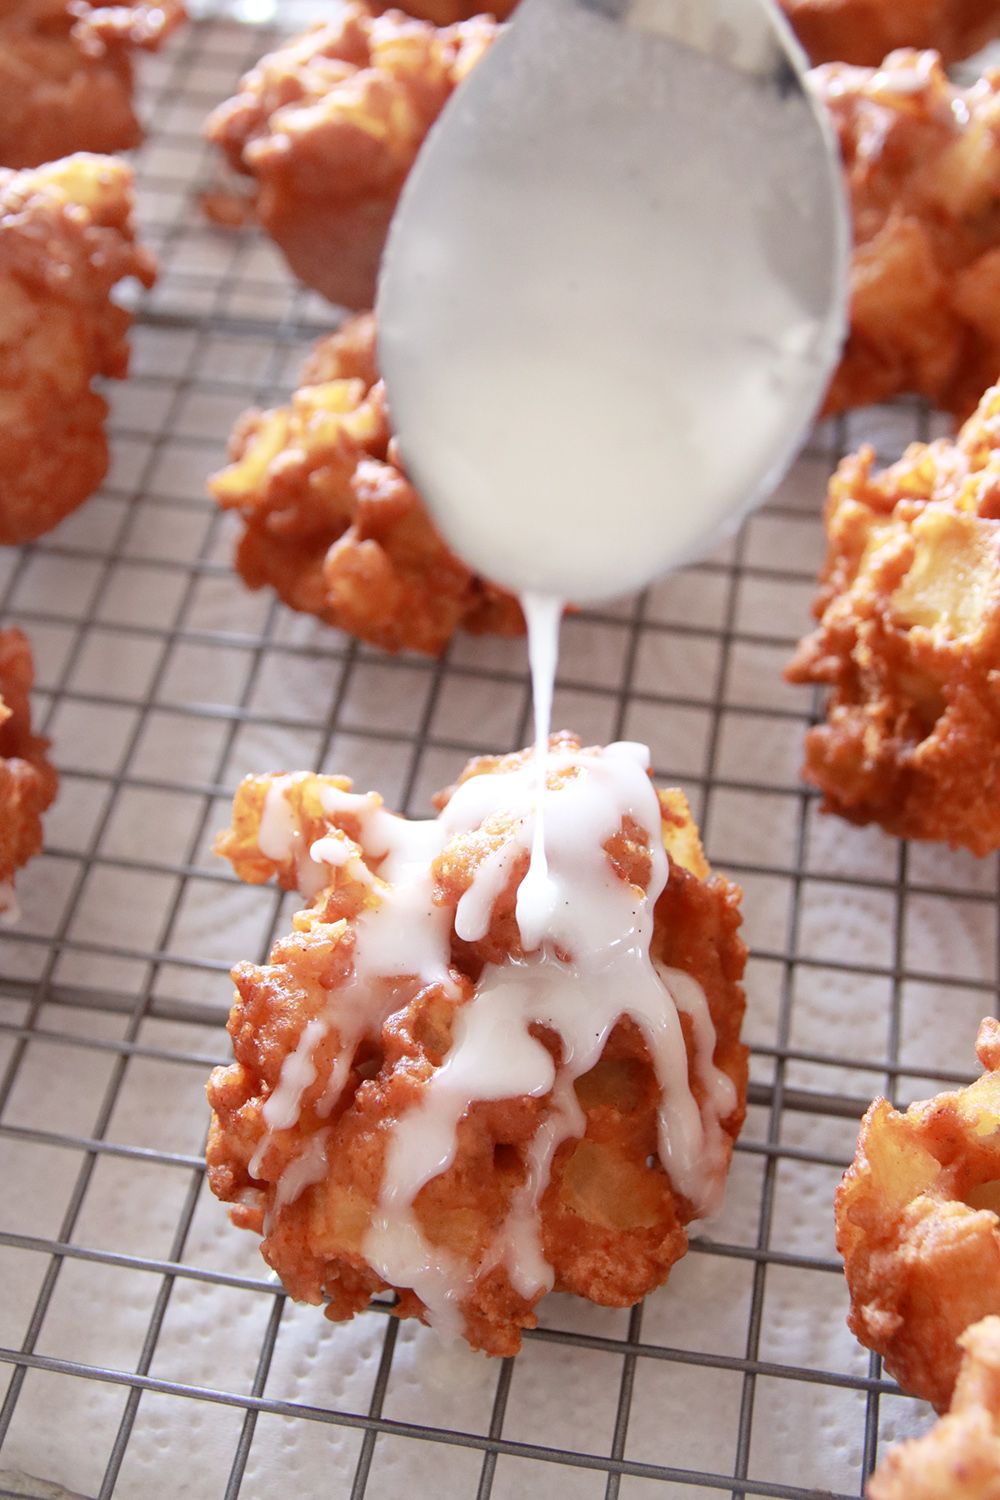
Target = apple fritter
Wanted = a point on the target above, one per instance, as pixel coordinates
(66, 75)
(328, 126)
(66, 239)
(332, 523)
(27, 780)
(959, 1458)
(908, 640)
(376, 1138)
(864, 31)
(922, 166)
(918, 1227)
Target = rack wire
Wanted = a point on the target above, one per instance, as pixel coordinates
(145, 1350)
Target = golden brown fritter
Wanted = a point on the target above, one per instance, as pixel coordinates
(610, 1223)
(864, 31)
(27, 780)
(922, 164)
(909, 640)
(66, 75)
(959, 1459)
(333, 524)
(918, 1227)
(328, 126)
(66, 238)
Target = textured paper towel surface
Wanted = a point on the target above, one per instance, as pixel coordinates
(180, 682)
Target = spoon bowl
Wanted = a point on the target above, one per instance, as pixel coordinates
(614, 289)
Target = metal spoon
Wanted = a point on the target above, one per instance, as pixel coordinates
(614, 289)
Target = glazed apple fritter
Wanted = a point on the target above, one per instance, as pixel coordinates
(917, 1225)
(332, 523)
(66, 75)
(864, 31)
(328, 126)
(27, 780)
(959, 1459)
(609, 1222)
(66, 238)
(909, 640)
(922, 163)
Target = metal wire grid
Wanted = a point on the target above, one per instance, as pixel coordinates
(161, 682)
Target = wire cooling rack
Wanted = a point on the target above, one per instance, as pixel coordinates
(146, 1351)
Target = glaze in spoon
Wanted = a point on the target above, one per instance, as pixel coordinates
(614, 289)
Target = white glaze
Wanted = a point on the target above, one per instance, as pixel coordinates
(278, 832)
(586, 935)
(307, 1168)
(297, 1073)
(521, 1242)
(720, 1091)
(906, 82)
(280, 837)
(536, 895)
(402, 936)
